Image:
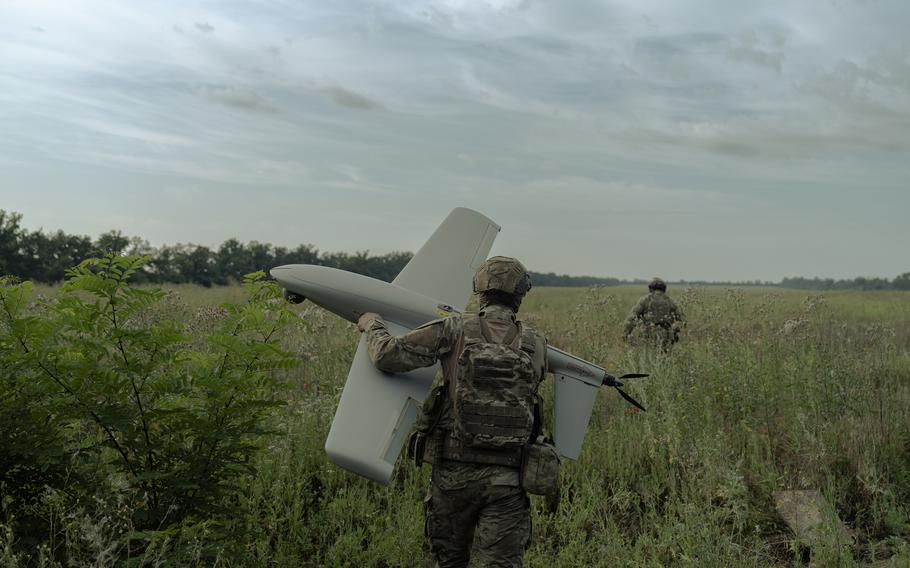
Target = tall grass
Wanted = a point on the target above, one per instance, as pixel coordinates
(767, 390)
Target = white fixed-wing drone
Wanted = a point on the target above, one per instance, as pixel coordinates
(377, 409)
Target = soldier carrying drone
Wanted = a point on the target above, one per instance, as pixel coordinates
(480, 422)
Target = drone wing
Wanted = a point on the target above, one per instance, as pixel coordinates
(377, 409)
(577, 383)
(444, 266)
(375, 414)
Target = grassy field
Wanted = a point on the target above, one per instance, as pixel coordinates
(767, 390)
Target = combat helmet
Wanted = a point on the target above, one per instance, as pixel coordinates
(657, 284)
(502, 273)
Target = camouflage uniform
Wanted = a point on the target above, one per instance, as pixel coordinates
(468, 504)
(660, 316)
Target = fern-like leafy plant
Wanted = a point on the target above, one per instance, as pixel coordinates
(102, 390)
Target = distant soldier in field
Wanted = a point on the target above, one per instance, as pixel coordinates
(480, 425)
(661, 319)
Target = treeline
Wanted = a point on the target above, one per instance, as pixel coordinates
(901, 282)
(45, 257)
(553, 279)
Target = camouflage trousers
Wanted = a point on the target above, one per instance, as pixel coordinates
(489, 523)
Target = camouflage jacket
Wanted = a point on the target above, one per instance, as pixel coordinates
(655, 309)
(436, 341)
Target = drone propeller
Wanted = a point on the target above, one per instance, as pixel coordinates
(629, 399)
(614, 381)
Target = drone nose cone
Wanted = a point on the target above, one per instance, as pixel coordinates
(281, 273)
(295, 291)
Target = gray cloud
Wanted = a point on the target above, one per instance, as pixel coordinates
(237, 97)
(871, 98)
(751, 54)
(349, 99)
(751, 48)
(756, 140)
(204, 27)
(680, 45)
(881, 81)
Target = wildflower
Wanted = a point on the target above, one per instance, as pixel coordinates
(793, 325)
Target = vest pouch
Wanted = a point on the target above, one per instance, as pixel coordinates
(540, 468)
(417, 446)
(494, 390)
(494, 398)
(420, 445)
(431, 409)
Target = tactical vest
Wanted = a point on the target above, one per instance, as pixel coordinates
(486, 412)
(495, 389)
(660, 310)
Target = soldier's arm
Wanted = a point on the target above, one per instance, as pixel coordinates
(420, 347)
(634, 316)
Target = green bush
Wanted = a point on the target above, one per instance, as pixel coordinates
(121, 427)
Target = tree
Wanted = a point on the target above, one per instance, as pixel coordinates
(10, 244)
(902, 282)
(105, 403)
(232, 260)
(111, 242)
(48, 257)
(196, 263)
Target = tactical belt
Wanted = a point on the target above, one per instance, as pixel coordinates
(442, 446)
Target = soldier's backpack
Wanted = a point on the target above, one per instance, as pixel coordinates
(495, 389)
(659, 310)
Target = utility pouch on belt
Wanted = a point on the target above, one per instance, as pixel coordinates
(540, 468)
(417, 445)
(431, 412)
(431, 409)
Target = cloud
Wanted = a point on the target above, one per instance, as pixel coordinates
(870, 98)
(358, 187)
(350, 172)
(181, 192)
(759, 139)
(349, 99)
(240, 170)
(749, 48)
(613, 106)
(880, 85)
(486, 93)
(118, 129)
(9, 161)
(617, 197)
(679, 45)
(38, 29)
(466, 159)
(237, 97)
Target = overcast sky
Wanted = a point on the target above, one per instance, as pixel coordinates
(698, 139)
